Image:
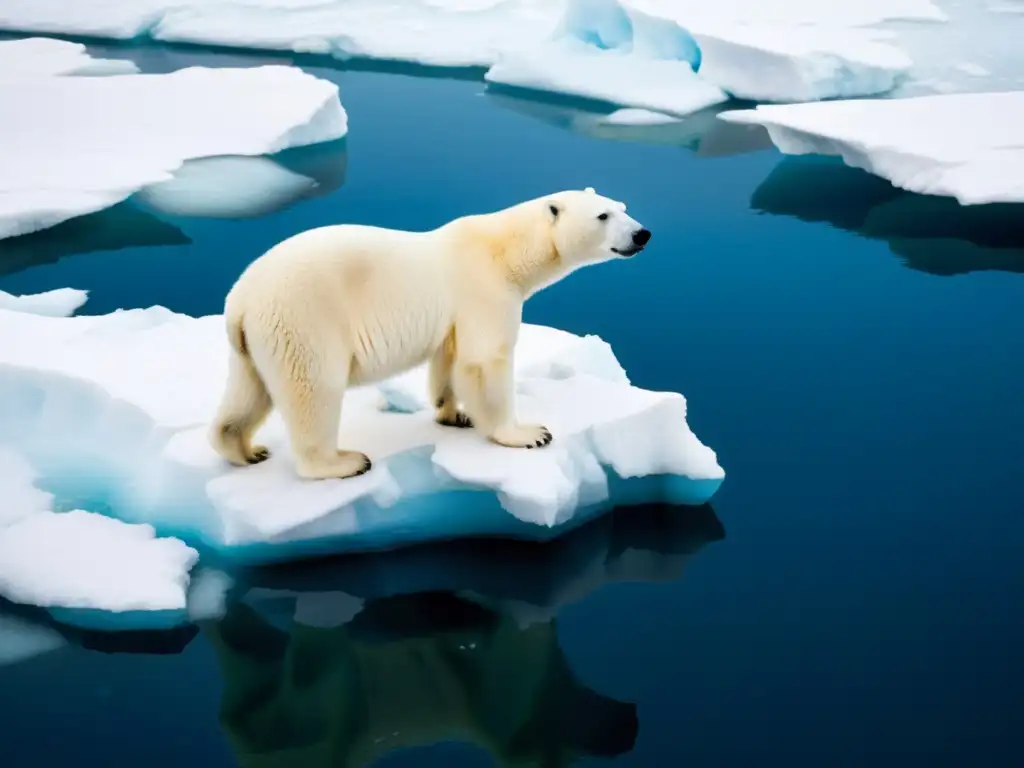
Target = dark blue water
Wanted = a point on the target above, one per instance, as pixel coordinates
(852, 352)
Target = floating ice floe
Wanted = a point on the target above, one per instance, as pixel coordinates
(768, 51)
(77, 563)
(60, 302)
(966, 146)
(133, 131)
(114, 411)
(45, 57)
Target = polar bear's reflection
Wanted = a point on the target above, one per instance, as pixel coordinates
(416, 669)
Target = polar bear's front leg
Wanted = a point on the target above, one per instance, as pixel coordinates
(488, 391)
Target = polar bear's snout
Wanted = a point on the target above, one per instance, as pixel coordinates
(638, 238)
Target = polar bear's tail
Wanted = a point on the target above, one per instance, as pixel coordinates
(236, 334)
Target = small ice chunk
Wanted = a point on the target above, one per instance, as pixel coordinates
(80, 559)
(60, 302)
(966, 146)
(46, 57)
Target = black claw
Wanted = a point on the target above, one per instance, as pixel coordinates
(461, 420)
(367, 466)
(258, 456)
(439, 403)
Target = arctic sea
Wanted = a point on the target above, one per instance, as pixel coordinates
(851, 596)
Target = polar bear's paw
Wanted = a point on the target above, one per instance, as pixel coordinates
(341, 465)
(454, 419)
(257, 454)
(523, 436)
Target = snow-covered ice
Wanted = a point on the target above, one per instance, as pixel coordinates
(966, 146)
(60, 302)
(115, 409)
(766, 50)
(603, 49)
(69, 562)
(46, 57)
(132, 131)
(787, 63)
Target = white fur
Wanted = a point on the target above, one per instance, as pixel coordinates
(346, 305)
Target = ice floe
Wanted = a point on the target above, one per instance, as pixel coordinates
(965, 146)
(114, 410)
(80, 561)
(60, 302)
(45, 57)
(133, 131)
(598, 48)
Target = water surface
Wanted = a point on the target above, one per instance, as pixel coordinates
(853, 354)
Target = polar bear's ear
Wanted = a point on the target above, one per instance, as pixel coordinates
(590, 191)
(554, 209)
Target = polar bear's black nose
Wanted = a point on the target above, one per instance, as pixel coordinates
(640, 237)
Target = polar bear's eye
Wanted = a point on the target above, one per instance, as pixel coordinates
(602, 217)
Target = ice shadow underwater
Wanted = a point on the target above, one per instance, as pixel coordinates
(930, 234)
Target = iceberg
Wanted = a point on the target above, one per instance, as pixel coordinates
(133, 131)
(113, 411)
(78, 563)
(45, 57)
(966, 146)
(60, 302)
(604, 50)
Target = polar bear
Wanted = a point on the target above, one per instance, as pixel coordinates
(347, 305)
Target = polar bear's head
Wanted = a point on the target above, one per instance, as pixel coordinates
(588, 228)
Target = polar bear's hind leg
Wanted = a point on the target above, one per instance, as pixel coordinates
(244, 406)
(307, 383)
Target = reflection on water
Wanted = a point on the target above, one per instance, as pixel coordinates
(446, 642)
(339, 661)
(701, 132)
(123, 226)
(930, 234)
